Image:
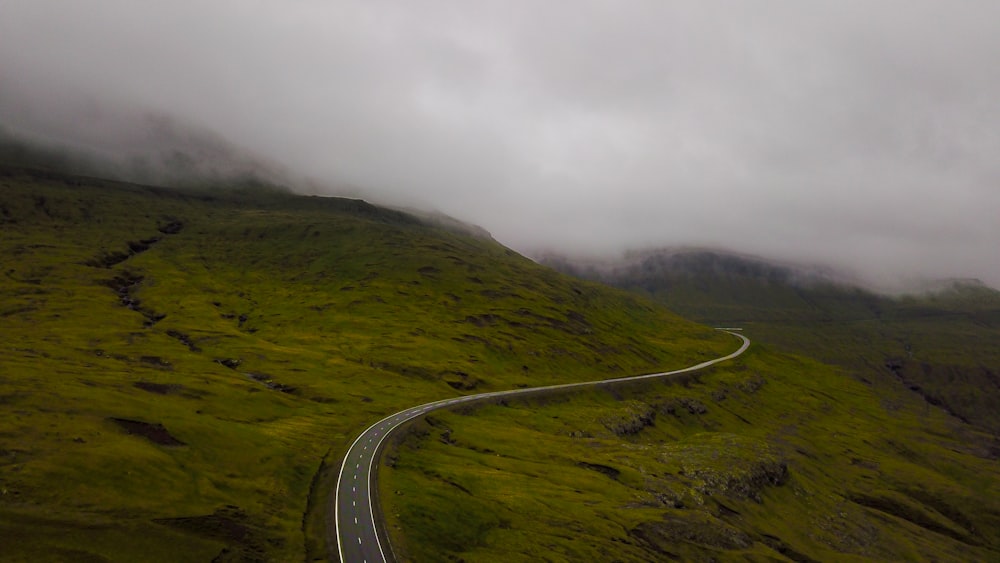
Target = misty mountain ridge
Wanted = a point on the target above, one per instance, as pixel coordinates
(146, 149)
(655, 266)
(157, 150)
(939, 339)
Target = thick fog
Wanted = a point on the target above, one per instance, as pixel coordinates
(862, 134)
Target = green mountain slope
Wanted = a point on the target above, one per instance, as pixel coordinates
(942, 344)
(774, 458)
(181, 369)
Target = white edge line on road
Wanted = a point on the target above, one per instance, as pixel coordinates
(336, 498)
(446, 402)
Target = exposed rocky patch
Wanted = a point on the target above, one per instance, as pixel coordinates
(171, 228)
(662, 537)
(184, 339)
(155, 433)
(605, 469)
(124, 285)
(460, 380)
(231, 363)
(135, 247)
(741, 482)
(483, 320)
(266, 380)
(156, 361)
(159, 388)
(445, 438)
(736, 466)
(631, 420)
(753, 383)
(107, 259)
(229, 524)
(675, 406)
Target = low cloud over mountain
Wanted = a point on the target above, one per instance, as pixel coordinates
(858, 134)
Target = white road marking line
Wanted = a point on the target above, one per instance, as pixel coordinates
(355, 519)
(359, 541)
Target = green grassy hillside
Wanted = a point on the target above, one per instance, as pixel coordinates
(771, 458)
(181, 369)
(887, 451)
(943, 345)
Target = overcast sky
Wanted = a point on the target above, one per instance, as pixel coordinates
(862, 133)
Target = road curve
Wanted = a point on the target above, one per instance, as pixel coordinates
(358, 540)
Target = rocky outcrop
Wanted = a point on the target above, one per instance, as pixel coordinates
(631, 420)
(663, 536)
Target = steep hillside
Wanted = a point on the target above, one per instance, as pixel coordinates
(769, 458)
(181, 368)
(943, 344)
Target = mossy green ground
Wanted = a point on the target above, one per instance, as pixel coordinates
(942, 345)
(771, 458)
(263, 331)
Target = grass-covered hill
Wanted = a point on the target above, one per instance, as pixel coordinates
(181, 368)
(943, 343)
(772, 458)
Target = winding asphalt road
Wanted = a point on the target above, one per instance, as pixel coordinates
(358, 538)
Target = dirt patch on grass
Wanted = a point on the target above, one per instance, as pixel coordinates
(605, 469)
(266, 380)
(171, 228)
(663, 536)
(155, 433)
(460, 380)
(184, 339)
(159, 388)
(229, 524)
(483, 320)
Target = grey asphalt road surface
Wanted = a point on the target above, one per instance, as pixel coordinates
(358, 533)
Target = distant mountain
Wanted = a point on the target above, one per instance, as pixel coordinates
(942, 341)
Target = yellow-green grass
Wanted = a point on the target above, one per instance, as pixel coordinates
(263, 331)
(791, 459)
(942, 345)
